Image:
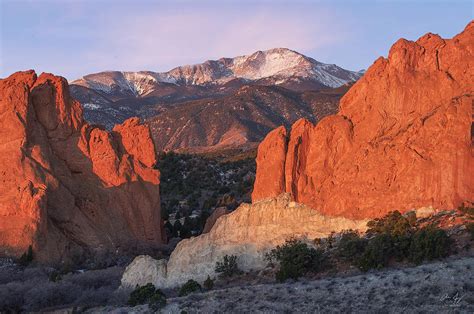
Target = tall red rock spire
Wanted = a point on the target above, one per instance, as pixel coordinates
(68, 188)
(401, 140)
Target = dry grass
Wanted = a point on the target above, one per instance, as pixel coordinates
(439, 287)
(31, 289)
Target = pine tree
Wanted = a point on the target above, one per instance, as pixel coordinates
(164, 213)
(185, 229)
(177, 229)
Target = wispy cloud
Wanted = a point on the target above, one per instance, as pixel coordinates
(77, 37)
(159, 40)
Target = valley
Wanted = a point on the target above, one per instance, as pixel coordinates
(193, 186)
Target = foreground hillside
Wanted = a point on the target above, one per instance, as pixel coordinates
(438, 287)
(338, 272)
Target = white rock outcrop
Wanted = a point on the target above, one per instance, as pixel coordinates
(248, 232)
(142, 270)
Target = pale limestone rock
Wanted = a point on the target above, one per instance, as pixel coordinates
(424, 212)
(144, 269)
(248, 232)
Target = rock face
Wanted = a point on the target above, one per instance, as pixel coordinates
(211, 220)
(248, 232)
(68, 188)
(142, 270)
(403, 137)
(271, 157)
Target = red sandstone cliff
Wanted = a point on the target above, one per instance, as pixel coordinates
(66, 187)
(402, 138)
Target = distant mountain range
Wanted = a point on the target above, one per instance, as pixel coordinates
(219, 103)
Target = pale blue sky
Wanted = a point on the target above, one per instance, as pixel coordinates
(73, 38)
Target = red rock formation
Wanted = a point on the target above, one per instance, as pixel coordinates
(402, 138)
(271, 154)
(66, 187)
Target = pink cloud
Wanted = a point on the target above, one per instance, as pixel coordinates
(156, 40)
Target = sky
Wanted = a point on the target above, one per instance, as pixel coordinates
(73, 38)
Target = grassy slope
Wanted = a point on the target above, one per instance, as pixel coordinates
(439, 287)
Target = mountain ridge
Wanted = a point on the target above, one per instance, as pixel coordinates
(282, 64)
(194, 107)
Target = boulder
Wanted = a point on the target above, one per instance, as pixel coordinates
(401, 140)
(143, 270)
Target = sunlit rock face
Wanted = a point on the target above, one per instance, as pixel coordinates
(68, 188)
(402, 138)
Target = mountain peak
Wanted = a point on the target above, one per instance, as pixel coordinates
(277, 64)
(278, 50)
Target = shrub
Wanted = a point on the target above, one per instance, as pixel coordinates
(393, 223)
(466, 210)
(425, 244)
(296, 259)
(189, 287)
(470, 229)
(351, 246)
(147, 294)
(208, 283)
(228, 266)
(401, 246)
(27, 257)
(30, 290)
(429, 243)
(377, 253)
(157, 301)
(55, 276)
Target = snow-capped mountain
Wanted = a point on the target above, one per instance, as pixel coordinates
(279, 66)
(225, 102)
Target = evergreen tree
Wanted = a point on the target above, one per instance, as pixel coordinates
(27, 257)
(177, 229)
(164, 213)
(168, 228)
(185, 229)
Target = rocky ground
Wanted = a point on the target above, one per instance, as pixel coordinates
(441, 287)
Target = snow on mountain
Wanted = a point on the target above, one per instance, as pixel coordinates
(269, 63)
(279, 65)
